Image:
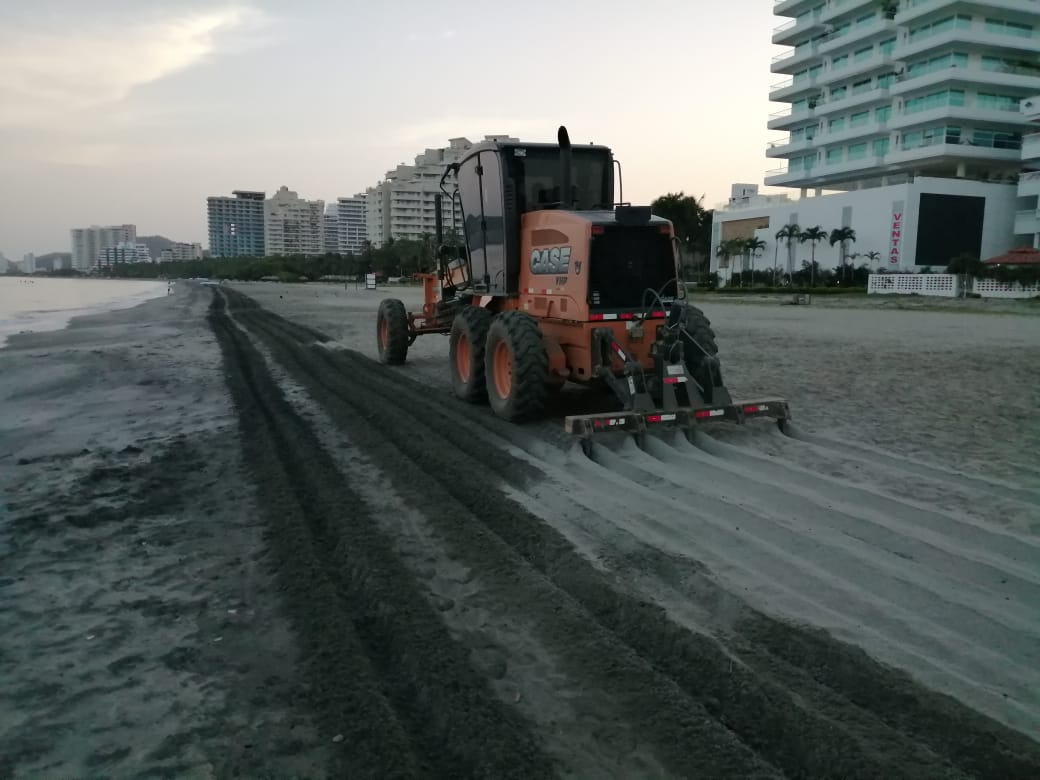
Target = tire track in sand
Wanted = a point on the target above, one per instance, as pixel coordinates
(386, 674)
(762, 715)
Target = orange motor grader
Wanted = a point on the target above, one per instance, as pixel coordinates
(552, 281)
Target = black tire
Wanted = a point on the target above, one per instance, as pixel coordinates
(469, 327)
(392, 332)
(703, 368)
(514, 337)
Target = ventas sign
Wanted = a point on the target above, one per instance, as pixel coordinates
(896, 238)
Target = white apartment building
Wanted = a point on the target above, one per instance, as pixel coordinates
(352, 224)
(904, 124)
(123, 252)
(89, 243)
(1027, 217)
(180, 252)
(292, 225)
(330, 229)
(402, 206)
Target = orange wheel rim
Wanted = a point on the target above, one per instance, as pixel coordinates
(503, 366)
(384, 334)
(463, 355)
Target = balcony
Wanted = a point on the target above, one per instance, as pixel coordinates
(786, 119)
(974, 37)
(1029, 184)
(790, 32)
(791, 7)
(835, 9)
(785, 148)
(790, 61)
(1030, 108)
(962, 151)
(857, 36)
(789, 89)
(965, 76)
(909, 15)
(875, 95)
(980, 116)
(1027, 222)
(1031, 148)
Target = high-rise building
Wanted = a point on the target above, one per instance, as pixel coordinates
(179, 252)
(904, 123)
(402, 206)
(292, 225)
(352, 222)
(330, 230)
(29, 263)
(236, 224)
(89, 243)
(1027, 215)
(123, 252)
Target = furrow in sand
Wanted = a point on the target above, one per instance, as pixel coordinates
(529, 536)
(435, 716)
(820, 505)
(902, 464)
(794, 585)
(954, 589)
(1006, 549)
(460, 502)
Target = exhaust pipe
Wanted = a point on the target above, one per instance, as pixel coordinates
(566, 200)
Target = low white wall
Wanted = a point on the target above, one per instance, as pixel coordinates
(946, 286)
(991, 288)
(943, 285)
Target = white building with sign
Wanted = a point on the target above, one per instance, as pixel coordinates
(1027, 217)
(903, 123)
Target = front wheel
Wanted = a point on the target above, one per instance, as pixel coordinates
(466, 345)
(392, 332)
(517, 366)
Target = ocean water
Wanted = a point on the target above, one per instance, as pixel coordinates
(40, 304)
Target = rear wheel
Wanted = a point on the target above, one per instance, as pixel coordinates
(392, 331)
(467, 341)
(517, 366)
(704, 368)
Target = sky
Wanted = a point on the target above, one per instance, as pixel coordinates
(134, 111)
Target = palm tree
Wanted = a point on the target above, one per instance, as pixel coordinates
(727, 249)
(873, 255)
(842, 236)
(812, 235)
(753, 246)
(788, 233)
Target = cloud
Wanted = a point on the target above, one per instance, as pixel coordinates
(48, 73)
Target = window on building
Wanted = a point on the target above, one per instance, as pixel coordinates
(814, 71)
(865, 19)
(840, 62)
(836, 125)
(859, 119)
(860, 87)
(947, 97)
(886, 46)
(835, 155)
(882, 114)
(933, 64)
(881, 147)
(998, 102)
(837, 93)
(800, 77)
(996, 139)
(960, 21)
(857, 151)
(1002, 27)
(862, 54)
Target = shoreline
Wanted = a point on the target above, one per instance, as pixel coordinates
(44, 320)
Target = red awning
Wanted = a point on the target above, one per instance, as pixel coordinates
(1022, 255)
